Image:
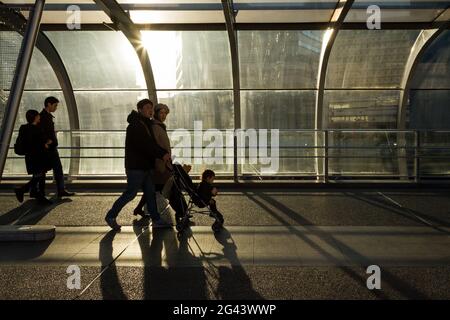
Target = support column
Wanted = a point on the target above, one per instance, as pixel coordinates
(230, 20)
(336, 21)
(18, 84)
(124, 23)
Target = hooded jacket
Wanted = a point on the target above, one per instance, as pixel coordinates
(141, 149)
(36, 156)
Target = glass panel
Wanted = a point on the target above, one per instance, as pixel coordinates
(41, 75)
(102, 153)
(367, 153)
(213, 108)
(429, 109)
(63, 17)
(369, 58)
(294, 156)
(435, 153)
(426, 15)
(398, 11)
(433, 71)
(207, 16)
(190, 60)
(99, 59)
(285, 16)
(9, 52)
(103, 110)
(359, 109)
(10, 43)
(279, 59)
(278, 109)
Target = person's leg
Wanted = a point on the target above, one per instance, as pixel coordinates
(140, 207)
(213, 207)
(150, 197)
(20, 191)
(40, 183)
(57, 171)
(135, 180)
(26, 186)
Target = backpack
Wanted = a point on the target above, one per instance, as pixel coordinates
(20, 146)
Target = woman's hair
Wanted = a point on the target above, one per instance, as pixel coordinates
(207, 174)
(158, 108)
(31, 115)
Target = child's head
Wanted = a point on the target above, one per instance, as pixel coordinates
(32, 117)
(208, 176)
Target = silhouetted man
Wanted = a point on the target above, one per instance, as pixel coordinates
(48, 127)
(141, 150)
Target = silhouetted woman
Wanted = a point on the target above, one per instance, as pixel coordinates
(36, 158)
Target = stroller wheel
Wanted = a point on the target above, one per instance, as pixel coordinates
(180, 226)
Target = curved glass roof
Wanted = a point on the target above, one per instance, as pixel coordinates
(247, 11)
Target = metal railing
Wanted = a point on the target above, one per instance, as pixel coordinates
(320, 155)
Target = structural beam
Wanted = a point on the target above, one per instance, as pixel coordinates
(230, 20)
(423, 41)
(123, 22)
(16, 22)
(20, 77)
(337, 21)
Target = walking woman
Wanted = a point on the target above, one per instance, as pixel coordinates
(36, 158)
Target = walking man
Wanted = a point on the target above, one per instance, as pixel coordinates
(48, 127)
(141, 150)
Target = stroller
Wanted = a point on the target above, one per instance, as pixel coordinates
(183, 184)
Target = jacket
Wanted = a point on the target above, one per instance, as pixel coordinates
(141, 149)
(204, 191)
(48, 128)
(161, 174)
(36, 156)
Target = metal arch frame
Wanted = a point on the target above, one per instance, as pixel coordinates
(337, 20)
(15, 21)
(123, 22)
(230, 20)
(422, 43)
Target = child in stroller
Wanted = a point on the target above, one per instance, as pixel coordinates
(202, 197)
(206, 191)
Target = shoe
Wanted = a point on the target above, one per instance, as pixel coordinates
(160, 223)
(113, 224)
(65, 193)
(141, 213)
(19, 194)
(43, 201)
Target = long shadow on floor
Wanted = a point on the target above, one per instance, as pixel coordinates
(404, 212)
(234, 282)
(30, 212)
(165, 276)
(396, 283)
(109, 279)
